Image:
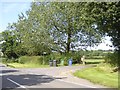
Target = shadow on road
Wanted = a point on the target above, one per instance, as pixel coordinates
(29, 80)
(8, 71)
(2, 66)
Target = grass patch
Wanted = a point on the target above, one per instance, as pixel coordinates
(29, 65)
(94, 61)
(101, 75)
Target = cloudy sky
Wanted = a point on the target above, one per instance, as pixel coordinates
(11, 8)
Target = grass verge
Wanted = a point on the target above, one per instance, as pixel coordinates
(29, 65)
(100, 75)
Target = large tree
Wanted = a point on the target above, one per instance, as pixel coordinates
(66, 24)
(60, 26)
(107, 19)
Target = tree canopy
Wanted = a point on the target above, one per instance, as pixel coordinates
(107, 19)
(66, 24)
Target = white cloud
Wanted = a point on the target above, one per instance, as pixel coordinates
(105, 45)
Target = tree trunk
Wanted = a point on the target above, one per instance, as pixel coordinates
(68, 40)
(68, 44)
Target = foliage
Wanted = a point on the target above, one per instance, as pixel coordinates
(9, 44)
(7, 60)
(67, 27)
(112, 58)
(31, 59)
(65, 57)
(4, 60)
(53, 26)
(33, 37)
(106, 16)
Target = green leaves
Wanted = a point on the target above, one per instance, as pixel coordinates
(107, 19)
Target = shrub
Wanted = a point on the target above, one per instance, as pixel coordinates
(112, 58)
(59, 57)
(24, 59)
(76, 56)
(4, 60)
(31, 59)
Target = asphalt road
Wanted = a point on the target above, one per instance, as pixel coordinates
(24, 79)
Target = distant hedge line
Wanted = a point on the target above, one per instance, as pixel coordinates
(44, 59)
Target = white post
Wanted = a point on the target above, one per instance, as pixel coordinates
(82, 59)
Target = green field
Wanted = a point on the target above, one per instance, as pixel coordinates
(94, 61)
(102, 74)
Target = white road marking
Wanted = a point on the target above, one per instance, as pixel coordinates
(16, 83)
(1, 74)
(78, 84)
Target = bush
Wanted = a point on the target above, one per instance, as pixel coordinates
(76, 57)
(24, 59)
(46, 58)
(4, 60)
(7, 60)
(112, 58)
(59, 57)
(31, 59)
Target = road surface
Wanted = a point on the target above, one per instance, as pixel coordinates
(41, 78)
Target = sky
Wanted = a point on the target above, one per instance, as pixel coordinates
(9, 10)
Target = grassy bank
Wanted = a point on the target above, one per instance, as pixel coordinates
(18, 65)
(102, 74)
